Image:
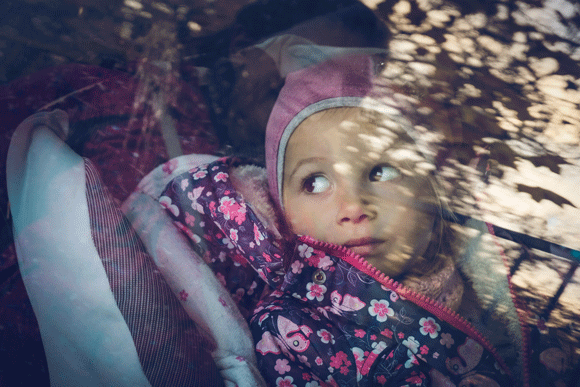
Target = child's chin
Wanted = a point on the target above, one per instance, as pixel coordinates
(392, 265)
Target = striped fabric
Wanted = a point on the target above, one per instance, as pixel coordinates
(171, 350)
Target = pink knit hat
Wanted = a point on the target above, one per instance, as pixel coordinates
(339, 82)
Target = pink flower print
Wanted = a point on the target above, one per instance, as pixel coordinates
(227, 242)
(412, 344)
(337, 360)
(424, 350)
(313, 259)
(381, 310)
(412, 361)
(325, 336)
(394, 296)
(183, 295)
(211, 207)
(318, 361)
(447, 340)
(257, 235)
(360, 333)
(401, 335)
(285, 382)
(373, 337)
(189, 219)
(382, 380)
(184, 184)
(169, 166)
(232, 210)
(200, 174)
(306, 376)
(358, 354)
(315, 291)
(415, 380)
(359, 358)
(325, 263)
(305, 251)
(282, 366)
(165, 201)
(429, 327)
(387, 333)
(297, 267)
(193, 196)
(344, 370)
(234, 235)
(221, 176)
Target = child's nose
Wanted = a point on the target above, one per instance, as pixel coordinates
(354, 207)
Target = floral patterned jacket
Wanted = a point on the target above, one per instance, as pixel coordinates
(330, 319)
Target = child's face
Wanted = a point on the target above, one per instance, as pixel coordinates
(359, 184)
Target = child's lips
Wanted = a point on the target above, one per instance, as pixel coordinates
(364, 246)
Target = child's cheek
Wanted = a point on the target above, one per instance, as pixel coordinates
(307, 223)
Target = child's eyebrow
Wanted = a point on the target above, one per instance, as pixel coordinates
(309, 160)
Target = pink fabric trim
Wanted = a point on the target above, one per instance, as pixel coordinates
(337, 78)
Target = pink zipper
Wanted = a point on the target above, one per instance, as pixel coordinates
(432, 306)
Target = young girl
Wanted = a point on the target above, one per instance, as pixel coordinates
(365, 283)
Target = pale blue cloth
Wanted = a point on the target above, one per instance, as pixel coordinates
(86, 339)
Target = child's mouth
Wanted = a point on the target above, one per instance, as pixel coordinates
(364, 246)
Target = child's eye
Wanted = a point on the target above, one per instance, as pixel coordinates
(383, 173)
(315, 184)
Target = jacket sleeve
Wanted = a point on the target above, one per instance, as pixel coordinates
(199, 291)
(206, 207)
